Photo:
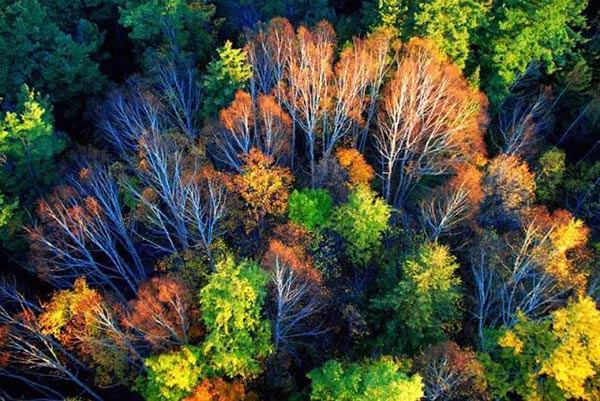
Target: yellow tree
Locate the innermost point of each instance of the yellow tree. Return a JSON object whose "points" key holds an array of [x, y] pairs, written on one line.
{"points": [[557, 359], [262, 187]]}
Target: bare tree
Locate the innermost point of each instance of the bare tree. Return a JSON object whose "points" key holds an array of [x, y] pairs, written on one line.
{"points": [[428, 120], [373, 52], [520, 123], [247, 123], [73, 237], [527, 271], [127, 113], [179, 201], [179, 94], [306, 84], [444, 211], [296, 304], [168, 100]]}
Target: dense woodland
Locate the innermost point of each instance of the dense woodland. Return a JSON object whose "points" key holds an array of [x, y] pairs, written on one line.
{"points": [[295, 200]]}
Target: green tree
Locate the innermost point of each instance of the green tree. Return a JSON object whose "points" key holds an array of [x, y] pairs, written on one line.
{"points": [[361, 222], [309, 207], [238, 337], [424, 304], [28, 150], [549, 175], [35, 50], [519, 32], [171, 376], [450, 25], [29, 146], [224, 76], [173, 27], [380, 380], [6, 210]]}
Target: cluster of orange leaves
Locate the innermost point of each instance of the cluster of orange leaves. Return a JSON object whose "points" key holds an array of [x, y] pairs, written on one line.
{"points": [[359, 171], [218, 389]]}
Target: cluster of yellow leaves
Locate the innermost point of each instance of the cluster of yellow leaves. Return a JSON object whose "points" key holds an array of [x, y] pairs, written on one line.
{"points": [[576, 329], [567, 351], [262, 186], [511, 180], [69, 311], [511, 340], [561, 236]]}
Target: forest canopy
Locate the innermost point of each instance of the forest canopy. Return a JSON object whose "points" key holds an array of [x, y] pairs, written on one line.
{"points": [[299, 200]]}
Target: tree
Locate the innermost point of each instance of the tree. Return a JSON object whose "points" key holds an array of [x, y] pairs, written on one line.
{"points": [[171, 376], [297, 301], [6, 210], [162, 313], [555, 359], [549, 175], [238, 338], [519, 32], [245, 124], [54, 61], [509, 189], [309, 207], [84, 323], [531, 271], [218, 390], [359, 171], [178, 27], [29, 145], [224, 77], [34, 359], [428, 123], [361, 223], [425, 302], [378, 380], [450, 25], [263, 187], [451, 373]]}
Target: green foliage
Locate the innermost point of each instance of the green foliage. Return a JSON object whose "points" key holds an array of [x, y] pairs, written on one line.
{"points": [[424, 304], [6, 210], [224, 76], [380, 380], [171, 376], [171, 26], [70, 14], [391, 11], [29, 146], [450, 25], [309, 207], [550, 175], [35, 50], [361, 222], [521, 31], [238, 337], [582, 189]]}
